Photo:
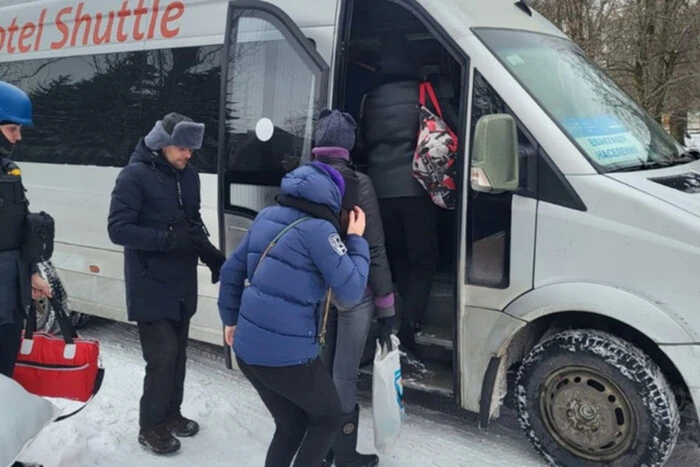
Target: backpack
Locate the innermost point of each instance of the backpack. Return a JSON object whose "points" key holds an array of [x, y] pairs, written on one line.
{"points": [[435, 158]]}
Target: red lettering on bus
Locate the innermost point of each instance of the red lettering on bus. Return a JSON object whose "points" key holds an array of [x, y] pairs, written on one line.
{"points": [[123, 14], [139, 11], [26, 33], [63, 28], [173, 12], [106, 37], [81, 20]]}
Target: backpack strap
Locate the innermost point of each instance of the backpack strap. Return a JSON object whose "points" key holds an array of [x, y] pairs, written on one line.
{"points": [[324, 321], [427, 87], [276, 239]]}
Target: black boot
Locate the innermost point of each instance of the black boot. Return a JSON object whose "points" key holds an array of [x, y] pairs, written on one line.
{"points": [[345, 446], [182, 427], [159, 440]]}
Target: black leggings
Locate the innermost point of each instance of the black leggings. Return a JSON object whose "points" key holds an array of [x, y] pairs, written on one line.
{"points": [[305, 406]]}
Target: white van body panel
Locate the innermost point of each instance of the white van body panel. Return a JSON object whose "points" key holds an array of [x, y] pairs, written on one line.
{"points": [[630, 233]]}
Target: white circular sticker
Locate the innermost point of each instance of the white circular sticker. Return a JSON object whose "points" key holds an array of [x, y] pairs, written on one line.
{"points": [[264, 129]]}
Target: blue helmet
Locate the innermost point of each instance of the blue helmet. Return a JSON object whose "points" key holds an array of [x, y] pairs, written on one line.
{"points": [[15, 105]]}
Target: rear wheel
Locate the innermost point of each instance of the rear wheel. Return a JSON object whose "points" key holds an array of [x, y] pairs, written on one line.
{"points": [[588, 398]]}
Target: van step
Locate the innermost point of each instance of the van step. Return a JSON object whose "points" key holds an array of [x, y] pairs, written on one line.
{"points": [[429, 376], [435, 335]]}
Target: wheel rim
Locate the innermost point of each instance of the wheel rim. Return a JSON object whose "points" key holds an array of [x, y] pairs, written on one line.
{"points": [[587, 413]]}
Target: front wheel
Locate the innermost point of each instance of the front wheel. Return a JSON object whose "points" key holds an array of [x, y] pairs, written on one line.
{"points": [[588, 398]]}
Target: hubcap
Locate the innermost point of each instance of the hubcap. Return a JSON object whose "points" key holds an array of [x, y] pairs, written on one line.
{"points": [[587, 413]]}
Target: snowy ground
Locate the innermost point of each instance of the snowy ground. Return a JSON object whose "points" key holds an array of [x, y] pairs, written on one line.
{"points": [[236, 428], [694, 141]]}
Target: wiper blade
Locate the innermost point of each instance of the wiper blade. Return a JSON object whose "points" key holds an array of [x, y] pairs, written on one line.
{"points": [[647, 165]]}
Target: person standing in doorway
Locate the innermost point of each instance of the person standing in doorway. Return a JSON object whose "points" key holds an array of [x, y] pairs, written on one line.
{"points": [[390, 126], [349, 326], [20, 281], [155, 215]]}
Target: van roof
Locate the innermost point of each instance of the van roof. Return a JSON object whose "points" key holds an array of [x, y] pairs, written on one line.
{"points": [[460, 16]]}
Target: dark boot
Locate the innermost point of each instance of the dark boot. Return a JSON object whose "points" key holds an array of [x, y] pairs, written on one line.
{"points": [[159, 440], [182, 427], [328, 461], [345, 446], [407, 335]]}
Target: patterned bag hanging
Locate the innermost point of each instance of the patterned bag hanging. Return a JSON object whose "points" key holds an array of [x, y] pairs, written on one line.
{"points": [[435, 159]]}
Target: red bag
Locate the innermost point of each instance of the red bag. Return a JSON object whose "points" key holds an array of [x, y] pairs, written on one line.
{"points": [[64, 367], [435, 158]]}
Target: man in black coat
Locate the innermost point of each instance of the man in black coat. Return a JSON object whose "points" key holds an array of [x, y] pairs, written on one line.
{"points": [[155, 215]]}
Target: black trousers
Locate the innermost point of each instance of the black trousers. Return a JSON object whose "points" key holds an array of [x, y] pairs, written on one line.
{"points": [[410, 227], [164, 347], [305, 406], [10, 339]]}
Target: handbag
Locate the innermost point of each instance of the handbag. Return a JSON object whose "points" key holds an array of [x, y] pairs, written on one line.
{"points": [[324, 320], [38, 238], [435, 158], [65, 367]]}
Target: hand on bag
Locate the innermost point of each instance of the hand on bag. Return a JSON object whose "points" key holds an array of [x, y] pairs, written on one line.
{"points": [[356, 226], [229, 332], [388, 328], [40, 288]]}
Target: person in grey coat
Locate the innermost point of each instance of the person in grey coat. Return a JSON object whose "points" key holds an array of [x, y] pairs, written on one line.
{"points": [[349, 328]]}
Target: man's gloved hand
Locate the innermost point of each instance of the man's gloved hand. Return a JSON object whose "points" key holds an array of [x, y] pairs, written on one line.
{"points": [[213, 258], [179, 241]]}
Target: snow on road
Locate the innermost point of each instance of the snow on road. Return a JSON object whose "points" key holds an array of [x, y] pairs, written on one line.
{"points": [[236, 427]]}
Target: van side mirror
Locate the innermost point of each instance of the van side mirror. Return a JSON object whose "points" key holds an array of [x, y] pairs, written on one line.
{"points": [[495, 160]]}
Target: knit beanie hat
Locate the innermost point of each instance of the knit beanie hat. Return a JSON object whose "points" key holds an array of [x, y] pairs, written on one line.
{"points": [[335, 129], [175, 130]]}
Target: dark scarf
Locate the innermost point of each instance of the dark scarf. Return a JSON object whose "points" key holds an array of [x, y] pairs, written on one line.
{"points": [[5, 146], [319, 211]]}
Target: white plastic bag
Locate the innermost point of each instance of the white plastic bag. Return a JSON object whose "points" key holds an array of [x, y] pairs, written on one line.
{"points": [[22, 417], [387, 396]]}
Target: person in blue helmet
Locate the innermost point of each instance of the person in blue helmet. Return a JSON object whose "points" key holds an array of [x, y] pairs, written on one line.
{"points": [[295, 257], [20, 281]]}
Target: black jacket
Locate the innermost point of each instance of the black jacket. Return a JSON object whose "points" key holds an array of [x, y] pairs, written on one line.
{"points": [[380, 281], [389, 128], [146, 203], [15, 273]]}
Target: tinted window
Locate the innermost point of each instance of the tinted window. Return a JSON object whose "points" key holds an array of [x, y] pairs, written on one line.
{"points": [[270, 77], [92, 110], [86, 109]]}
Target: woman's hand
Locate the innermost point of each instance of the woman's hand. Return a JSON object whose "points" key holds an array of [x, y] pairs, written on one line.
{"points": [[229, 332], [357, 223], [40, 288]]}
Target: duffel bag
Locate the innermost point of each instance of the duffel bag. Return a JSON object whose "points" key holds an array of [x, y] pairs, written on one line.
{"points": [[65, 367]]}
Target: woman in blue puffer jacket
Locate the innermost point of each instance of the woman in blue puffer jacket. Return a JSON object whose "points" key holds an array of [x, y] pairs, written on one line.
{"points": [[291, 256]]}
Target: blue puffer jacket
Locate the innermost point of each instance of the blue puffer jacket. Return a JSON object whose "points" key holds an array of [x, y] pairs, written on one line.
{"points": [[277, 317]]}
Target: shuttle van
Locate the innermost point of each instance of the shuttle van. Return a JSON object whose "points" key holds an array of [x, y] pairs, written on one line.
{"points": [[567, 279]]}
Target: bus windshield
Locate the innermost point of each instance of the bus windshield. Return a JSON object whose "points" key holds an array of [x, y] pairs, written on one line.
{"points": [[611, 129]]}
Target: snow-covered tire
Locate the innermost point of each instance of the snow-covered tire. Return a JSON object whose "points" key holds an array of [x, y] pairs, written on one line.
{"points": [[588, 398]]}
